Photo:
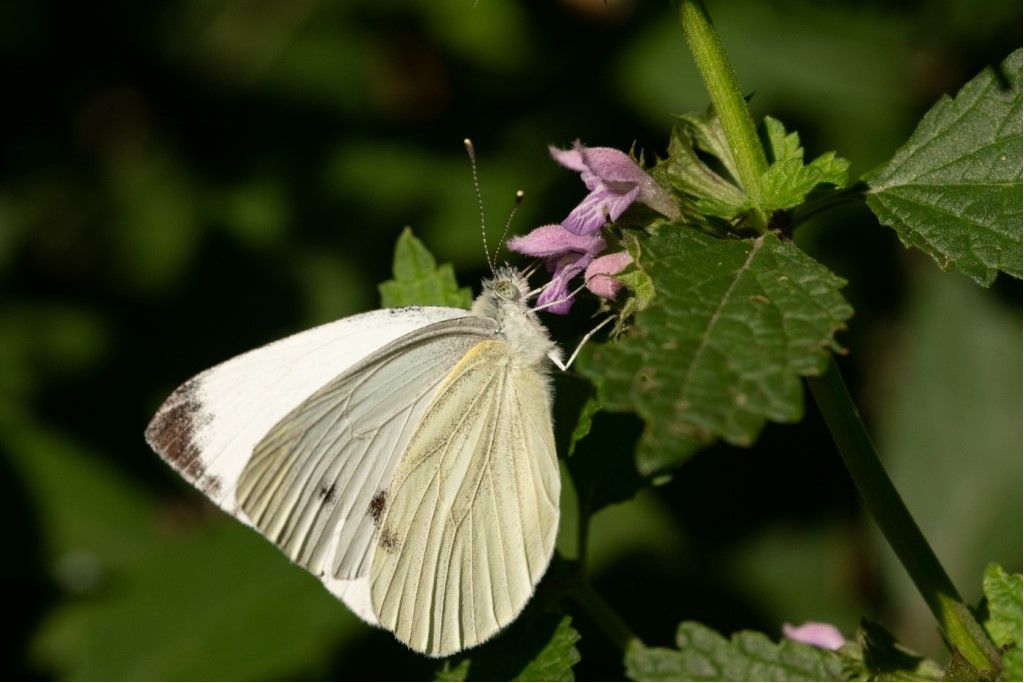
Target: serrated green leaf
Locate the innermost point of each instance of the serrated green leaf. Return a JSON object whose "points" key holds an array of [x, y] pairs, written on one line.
{"points": [[703, 655], [540, 647], [787, 181], [714, 193], [419, 281], [784, 185], [733, 326], [782, 146], [1003, 622], [555, 661], [708, 135], [954, 189]]}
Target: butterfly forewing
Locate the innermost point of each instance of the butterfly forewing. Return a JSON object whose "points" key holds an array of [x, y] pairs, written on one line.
{"points": [[208, 427], [312, 480], [472, 513]]}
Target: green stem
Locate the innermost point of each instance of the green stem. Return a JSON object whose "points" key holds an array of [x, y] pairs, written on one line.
{"points": [[726, 97], [602, 614], [893, 518], [849, 433]]}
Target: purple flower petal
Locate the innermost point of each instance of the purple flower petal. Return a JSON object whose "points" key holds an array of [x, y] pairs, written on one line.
{"points": [[612, 166], [600, 165], [815, 633], [565, 269], [599, 272], [572, 159], [553, 240], [596, 209], [615, 181]]}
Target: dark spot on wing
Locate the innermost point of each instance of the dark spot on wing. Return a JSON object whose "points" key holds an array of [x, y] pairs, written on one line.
{"points": [[172, 432], [194, 470], [376, 507], [395, 312], [211, 485], [388, 540], [328, 492]]}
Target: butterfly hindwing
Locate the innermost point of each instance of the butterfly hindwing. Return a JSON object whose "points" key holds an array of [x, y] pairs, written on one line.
{"points": [[470, 519]]}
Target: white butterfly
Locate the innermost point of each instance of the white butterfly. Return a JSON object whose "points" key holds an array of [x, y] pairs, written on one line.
{"points": [[404, 456]]}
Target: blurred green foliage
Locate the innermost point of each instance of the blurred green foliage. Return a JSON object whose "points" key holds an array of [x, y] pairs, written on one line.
{"points": [[182, 181]]}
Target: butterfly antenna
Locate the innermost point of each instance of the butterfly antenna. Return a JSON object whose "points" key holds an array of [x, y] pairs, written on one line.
{"points": [[508, 223], [479, 200]]}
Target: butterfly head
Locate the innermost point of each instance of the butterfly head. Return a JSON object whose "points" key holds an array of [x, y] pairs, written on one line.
{"points": [[507, 285]]}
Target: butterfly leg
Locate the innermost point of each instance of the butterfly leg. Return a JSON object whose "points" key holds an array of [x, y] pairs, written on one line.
{"points": [[556, 357]]}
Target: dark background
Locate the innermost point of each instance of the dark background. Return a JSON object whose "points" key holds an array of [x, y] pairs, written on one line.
{"points": [[182, 181]]}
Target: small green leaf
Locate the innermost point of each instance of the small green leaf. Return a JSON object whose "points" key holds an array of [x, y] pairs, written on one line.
{"points": [[954, 189], [786, 183], [555, 661], [788, 180], [639, 287], [782, 146], [733, 326], [539, 647], [575, 405], [1003, 622], [714, 191], [704, 655], [419, 281]]}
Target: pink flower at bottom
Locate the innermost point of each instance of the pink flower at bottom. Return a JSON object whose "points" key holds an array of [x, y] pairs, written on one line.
{"points": [[815, 633]]}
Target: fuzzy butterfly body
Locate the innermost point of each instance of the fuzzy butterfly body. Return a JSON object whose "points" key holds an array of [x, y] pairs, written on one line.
{"points": [[405, 457]]}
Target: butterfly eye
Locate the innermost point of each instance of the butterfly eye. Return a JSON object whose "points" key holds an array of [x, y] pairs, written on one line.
{"points": [[507, 290]]}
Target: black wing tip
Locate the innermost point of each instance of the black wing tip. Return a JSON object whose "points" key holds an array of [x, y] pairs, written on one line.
{"points": [[172, 432]]}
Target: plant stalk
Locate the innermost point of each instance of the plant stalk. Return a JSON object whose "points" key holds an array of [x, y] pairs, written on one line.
{"points": [[727, 99], [830, 393], [606, 619], [893, 518]]}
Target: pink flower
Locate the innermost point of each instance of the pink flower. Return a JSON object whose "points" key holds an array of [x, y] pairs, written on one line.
{"points": [[553, 240], [815, 633], [615, 181], [566, 255], [599, 272]]}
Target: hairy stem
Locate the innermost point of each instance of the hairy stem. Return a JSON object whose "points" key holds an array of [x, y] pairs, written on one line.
{"points": [[726, 97], [892, 517]]}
